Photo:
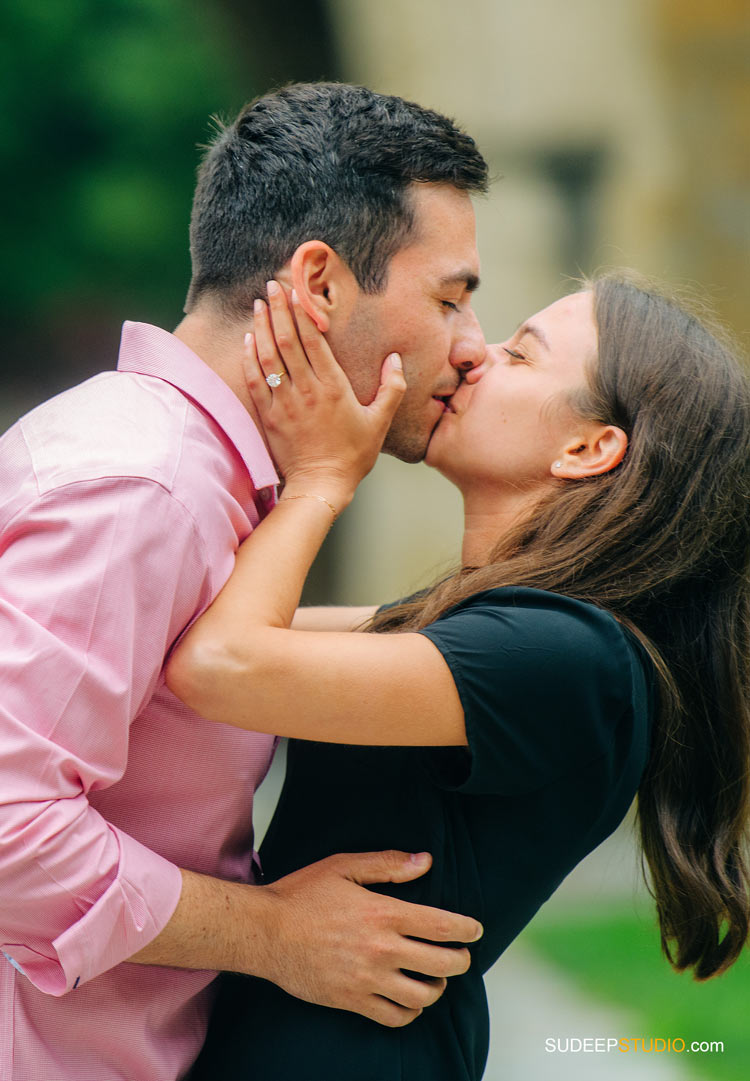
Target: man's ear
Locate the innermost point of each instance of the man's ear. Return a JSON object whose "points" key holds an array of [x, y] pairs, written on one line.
{"points": [[599, 449], [323, 281]]}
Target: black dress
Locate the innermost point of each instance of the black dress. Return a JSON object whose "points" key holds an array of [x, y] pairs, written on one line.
{"points": [[557, 700]]}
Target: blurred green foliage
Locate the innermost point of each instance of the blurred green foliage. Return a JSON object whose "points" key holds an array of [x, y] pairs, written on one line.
{"points": [[616, 956], [104, 102]]}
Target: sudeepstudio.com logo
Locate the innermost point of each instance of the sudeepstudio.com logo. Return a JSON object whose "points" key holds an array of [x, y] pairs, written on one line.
{"points": [[645, 1045]]}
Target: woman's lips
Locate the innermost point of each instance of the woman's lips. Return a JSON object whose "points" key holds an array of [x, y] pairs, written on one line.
{"points": [[446, 401]]}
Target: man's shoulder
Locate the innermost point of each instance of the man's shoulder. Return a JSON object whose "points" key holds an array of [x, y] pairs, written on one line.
{"points": [[116, 424]]}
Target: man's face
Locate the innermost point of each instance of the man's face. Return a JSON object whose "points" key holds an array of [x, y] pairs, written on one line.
{"points": [[424, 314]]}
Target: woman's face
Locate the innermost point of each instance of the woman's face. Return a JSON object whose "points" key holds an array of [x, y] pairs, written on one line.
{"points": [[510, 420]]}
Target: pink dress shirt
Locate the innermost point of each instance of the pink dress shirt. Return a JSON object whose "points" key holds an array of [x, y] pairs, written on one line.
{"points": [[122, 502]]}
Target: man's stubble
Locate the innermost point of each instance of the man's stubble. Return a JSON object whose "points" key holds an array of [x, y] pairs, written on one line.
{"points": [[360, 347]]}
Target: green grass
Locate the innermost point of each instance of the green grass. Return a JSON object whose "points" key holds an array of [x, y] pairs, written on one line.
{"points": [[616, 957]]}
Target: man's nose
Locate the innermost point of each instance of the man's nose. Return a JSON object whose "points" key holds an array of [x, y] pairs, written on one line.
{"points": [[473, 375], [469, 346]]}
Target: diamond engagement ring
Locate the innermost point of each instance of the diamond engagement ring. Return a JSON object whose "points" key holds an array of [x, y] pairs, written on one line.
{"points": [[274, 379]]}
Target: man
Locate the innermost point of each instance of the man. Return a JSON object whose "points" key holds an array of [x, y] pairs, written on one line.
{"points": [[125, 819]]}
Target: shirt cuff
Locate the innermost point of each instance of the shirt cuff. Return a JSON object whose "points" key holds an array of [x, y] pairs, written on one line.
{"points": [[131, 912]]}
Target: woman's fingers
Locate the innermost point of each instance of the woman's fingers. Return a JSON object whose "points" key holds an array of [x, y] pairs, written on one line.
{"points": [[318, 352], [287, 340], [289, 344], [265, 344], [309, 411], [390, 392], [255, 377]]}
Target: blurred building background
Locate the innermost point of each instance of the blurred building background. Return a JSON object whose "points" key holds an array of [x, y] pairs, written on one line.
{"points": [[618, 131], [620, 134]]}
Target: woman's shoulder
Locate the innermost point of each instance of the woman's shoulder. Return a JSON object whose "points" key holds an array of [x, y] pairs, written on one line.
{"points": [[543, 609], [542, 631], [548, 683]]}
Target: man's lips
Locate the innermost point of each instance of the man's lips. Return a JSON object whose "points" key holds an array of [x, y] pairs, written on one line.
{"points": [[451, 402], [446, 400]]}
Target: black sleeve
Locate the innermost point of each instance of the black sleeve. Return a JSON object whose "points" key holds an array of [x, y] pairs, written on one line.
{"points": [[544, 681]]}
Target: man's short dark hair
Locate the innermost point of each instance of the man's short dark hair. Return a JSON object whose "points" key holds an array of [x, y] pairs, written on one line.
{"points": [[322, 161]]}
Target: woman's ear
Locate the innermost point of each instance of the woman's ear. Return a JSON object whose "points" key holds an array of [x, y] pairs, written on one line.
{"points": [[322, 280], [599, 449]]}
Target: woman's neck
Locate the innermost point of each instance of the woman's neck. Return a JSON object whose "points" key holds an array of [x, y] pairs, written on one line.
{"points": [[490, 517]]}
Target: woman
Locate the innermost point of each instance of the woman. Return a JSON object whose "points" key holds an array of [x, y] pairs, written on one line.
{"points": [[593, 643]]}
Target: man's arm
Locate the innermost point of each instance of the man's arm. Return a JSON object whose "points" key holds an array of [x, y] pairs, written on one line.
{"points": [[86, 615], [85, 618], [321, 936]]}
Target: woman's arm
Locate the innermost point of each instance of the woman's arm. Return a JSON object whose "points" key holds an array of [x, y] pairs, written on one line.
{"points": [[241, 663], [333, 618]]}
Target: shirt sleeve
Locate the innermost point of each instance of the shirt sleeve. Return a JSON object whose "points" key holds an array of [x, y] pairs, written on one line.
{"points": [[544, 682], [97, 579]]}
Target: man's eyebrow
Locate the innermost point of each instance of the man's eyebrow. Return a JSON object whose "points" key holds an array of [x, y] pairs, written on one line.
{"points": [[536, 332], [467, 278]]}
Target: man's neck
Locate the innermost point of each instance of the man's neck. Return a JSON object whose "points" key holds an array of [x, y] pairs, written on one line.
{"points": [[220, 346]]}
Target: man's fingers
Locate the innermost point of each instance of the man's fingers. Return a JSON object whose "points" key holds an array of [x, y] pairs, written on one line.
{"points": [[406, 999], [417, 921], [388, 1013], [439, 962], [343, 945], [390, 865], [416, 994], [437, 925]]}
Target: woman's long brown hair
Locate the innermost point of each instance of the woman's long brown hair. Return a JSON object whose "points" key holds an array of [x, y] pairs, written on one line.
{"points": [[663, 543]]}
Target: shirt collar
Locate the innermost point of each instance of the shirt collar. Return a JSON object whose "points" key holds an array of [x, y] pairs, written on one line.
{"points": [[148, 350]]}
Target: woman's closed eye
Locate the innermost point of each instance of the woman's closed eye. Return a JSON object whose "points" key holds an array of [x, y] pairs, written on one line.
{"points": [[514, 354]]}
